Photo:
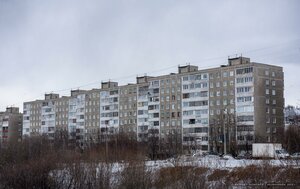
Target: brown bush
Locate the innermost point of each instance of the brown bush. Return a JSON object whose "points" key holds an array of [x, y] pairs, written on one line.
{"points": [[186, 177], [136, 175], [253, 174]]}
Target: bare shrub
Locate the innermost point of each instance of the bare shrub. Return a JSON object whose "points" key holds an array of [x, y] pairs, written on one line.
{"points": [[254, 174], [29, 174], [185, 177], [77, 174], [289, 175], [218, 178], [136, 175]]}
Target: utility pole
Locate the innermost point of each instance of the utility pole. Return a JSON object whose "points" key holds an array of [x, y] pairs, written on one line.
{"points": [[224, 130], [106, 144]]}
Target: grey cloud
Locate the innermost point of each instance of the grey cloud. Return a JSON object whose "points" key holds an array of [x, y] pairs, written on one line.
{"points": [[52, 45]]}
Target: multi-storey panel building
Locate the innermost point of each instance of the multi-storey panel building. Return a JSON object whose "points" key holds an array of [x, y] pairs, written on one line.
{"points": [[170, 108], [48, 115], [211, 109], [128, 109], [195, 108], [92, 115], [109, 107], [32, 118], [10, 125], [142, 108]]}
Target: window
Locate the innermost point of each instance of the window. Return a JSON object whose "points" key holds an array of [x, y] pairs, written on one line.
{"points": [[225, 84], [267, 82], [211, 94], [211, 85], [273, 74], [267, 72], [244, 80], [231, 73], [273, 83], [243, 89], [225, 74], [167, 98], [173, 114], [244, 70], [218, 93], [273, 101], [273, 111], [241, 109], [267, 110], [267, 91], [173, 97], [273, 92], [218, 84], [267, 101], [245, 118], [274, 119]]}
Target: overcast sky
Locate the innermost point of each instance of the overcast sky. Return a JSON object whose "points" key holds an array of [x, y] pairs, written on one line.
{"points": [[57, 45]]}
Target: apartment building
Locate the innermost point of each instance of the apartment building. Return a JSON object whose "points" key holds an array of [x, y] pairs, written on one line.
{"points": [[77, 115], [109, 108], [209, 109], [10, 125], [128, 110]]}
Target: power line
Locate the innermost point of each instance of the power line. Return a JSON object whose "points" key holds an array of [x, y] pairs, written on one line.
{"points": [[205, 60]]}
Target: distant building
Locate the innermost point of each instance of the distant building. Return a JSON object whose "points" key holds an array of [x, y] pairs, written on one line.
{"points": [[291, 116], [10, 125], [242, 99]]}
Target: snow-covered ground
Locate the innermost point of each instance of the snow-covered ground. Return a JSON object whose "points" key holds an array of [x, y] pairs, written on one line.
{"points": [[217, 163]]}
